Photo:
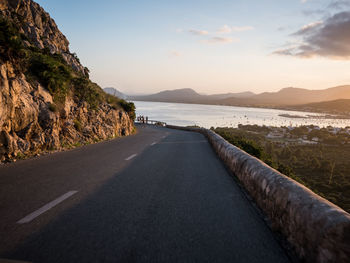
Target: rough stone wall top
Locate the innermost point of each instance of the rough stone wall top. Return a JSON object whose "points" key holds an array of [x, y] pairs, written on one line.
{"points": [[39, 28]]}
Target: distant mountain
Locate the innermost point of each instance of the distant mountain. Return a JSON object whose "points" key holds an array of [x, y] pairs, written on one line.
{"points": [[189, 96], [292, 96], [115, 92], [333, 107], [179, 95], [295, 98], [245, 94]]}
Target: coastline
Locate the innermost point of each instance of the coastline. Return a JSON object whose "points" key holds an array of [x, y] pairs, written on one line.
{"points": [[327, 114]]}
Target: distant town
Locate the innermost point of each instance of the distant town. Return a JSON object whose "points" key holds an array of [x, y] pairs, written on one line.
{"points": [[309, 134]]}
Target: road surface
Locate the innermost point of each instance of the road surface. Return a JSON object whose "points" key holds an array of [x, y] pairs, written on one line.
{"points": [[161, 195]]}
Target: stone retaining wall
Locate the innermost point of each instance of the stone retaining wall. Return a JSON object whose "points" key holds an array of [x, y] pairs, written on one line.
{"points": [[318, 230]]}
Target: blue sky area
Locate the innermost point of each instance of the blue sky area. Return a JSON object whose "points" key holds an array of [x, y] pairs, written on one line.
{"points": [[210, 46]]}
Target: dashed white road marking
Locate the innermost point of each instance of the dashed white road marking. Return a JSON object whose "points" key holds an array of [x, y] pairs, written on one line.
{"points": [[153, 143], [130, 157], [46, 207]]}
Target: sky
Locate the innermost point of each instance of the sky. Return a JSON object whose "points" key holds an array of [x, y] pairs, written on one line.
{"points": [[211, 46]]}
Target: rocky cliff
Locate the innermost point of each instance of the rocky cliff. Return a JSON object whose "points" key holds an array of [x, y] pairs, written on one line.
{"points": [[47, 101], [40, 30]]}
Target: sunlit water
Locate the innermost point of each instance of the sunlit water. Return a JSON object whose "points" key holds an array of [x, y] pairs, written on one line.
{"points": [[228, 116]]}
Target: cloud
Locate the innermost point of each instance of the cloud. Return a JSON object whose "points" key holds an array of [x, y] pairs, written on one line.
{"points": [[241, 28], [328, 39], [198, 32], [308, 28], [224, 29], [314, 12], [220, 40], [339, 4], [175, 53], [333, 6]]}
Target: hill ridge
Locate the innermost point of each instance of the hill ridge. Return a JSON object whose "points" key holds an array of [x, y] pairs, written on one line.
{"points": [[284, 97]]}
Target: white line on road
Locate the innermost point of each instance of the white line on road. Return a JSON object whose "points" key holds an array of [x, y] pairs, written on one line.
{"points": [[130, 157], [46, 207], [153, 143]]}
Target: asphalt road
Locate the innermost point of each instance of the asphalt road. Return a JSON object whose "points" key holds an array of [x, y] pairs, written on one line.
{"points": [[158, 196]]}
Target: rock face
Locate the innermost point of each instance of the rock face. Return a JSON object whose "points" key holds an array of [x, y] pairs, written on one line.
{"points": [[30, 121], [28, 125], [39, 28]]}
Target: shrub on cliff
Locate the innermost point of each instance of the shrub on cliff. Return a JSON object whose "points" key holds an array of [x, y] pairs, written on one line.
{"points": [[10, 40], [87, 91], [77, 125], [129, 107], [52, 107], [53, 72], [116, 102]]}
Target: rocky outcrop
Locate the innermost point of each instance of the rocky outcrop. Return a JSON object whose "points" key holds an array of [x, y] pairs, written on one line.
{"points": [[318, 229], [29, 122], [39, 28], [32, 119]]}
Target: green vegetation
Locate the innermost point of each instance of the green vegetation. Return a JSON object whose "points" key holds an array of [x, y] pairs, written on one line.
{"points": [[77, 125], [52, 107], [85, 90], [20, 156], [323, 167], [129, 107], [10, 40], [75, 56], [53, 72], [253, 146]]}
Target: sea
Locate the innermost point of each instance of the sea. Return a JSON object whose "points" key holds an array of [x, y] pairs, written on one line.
{"points": [[207, 116]]}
